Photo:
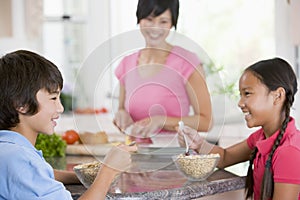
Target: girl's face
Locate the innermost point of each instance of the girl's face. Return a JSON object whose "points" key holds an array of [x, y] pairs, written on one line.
{"points": [[256, 102], [49, 110], [156, 29]]}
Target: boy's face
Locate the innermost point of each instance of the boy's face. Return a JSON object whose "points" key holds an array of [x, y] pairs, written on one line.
{"points": [[49, 110]]}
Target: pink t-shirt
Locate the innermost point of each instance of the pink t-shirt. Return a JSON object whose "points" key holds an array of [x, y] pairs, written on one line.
{"points": [[286, 159], [161, 94]]}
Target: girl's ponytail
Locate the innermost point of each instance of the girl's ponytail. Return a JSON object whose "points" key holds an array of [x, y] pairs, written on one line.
{"points": [[249, 178], [267, 186]]}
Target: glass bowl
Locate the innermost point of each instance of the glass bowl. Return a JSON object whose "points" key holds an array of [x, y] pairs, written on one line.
{"points": [[87, 172], [196, 167]]}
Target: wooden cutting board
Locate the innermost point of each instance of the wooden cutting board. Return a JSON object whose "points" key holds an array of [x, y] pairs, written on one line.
{"points": [[89, 149]]}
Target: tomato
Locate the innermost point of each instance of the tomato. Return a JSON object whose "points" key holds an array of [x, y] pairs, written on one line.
{"points": [[103, 110], [70, 136]]}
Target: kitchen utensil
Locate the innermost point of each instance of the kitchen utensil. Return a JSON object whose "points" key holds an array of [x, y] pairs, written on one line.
{"points": [[181, 127]]}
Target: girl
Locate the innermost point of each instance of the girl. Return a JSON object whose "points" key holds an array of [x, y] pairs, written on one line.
{"points": [[160, 82], [267, 90]]}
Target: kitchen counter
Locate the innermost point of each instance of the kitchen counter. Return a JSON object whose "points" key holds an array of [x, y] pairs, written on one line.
{"points": [[154, 176]]}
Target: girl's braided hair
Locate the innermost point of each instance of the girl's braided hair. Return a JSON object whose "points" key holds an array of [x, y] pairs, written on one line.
{"points": [[273, 73]]}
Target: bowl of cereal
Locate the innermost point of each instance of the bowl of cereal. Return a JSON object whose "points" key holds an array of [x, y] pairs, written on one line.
{"points": [[87, 172], [196, 167]]}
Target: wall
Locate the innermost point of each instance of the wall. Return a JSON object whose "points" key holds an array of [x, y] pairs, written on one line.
{"points": [[18, 39], [5, 19]]}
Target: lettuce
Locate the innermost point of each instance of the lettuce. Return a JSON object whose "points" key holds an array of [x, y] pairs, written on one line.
{"points": [[51, 145]]}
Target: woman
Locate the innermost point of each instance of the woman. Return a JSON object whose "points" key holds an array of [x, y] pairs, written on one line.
{"points": [[160, 82]]}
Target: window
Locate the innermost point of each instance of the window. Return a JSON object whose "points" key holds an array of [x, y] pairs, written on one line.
{"points": [[64, 34]]}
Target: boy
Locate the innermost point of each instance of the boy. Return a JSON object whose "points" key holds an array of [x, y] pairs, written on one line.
{"points": [[30, 88]]}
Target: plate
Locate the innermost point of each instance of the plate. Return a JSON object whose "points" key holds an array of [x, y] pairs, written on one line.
{"points": [[89, 149], [161, 150]]}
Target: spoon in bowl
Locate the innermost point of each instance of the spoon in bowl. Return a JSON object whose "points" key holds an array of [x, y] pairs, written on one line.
{"points": [[181, 127]]}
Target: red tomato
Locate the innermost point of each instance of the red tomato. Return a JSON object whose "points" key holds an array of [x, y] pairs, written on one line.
{"points": [[70, 136], [103, 110]]}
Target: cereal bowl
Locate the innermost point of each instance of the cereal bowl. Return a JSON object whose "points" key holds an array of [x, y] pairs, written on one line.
{"points": [[87, 172], [196, 167]]}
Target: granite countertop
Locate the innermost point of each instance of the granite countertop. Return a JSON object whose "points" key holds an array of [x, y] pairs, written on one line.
{"points": [[154, 176], [168, 185]]}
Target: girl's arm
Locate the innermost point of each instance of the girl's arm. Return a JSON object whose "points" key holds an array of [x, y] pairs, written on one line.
{"points": [[286, 191], [234, 154]]}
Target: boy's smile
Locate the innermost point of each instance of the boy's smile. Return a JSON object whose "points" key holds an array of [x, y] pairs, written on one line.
{"points": [[44, 120]]}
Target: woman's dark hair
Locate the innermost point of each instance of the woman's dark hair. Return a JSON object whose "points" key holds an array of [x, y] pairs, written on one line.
{"points": [[22, 75], [273, 73], [156, 8]]}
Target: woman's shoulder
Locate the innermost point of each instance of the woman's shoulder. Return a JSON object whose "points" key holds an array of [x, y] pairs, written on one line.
{"points": [[127, 63], [131, 57], [185, 54]]}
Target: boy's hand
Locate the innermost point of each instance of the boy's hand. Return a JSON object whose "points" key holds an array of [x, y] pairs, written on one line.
{"points": [[119, 158]]}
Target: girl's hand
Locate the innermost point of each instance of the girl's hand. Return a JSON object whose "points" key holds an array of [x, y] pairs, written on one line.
{"points": [[123, 119], [148, 127], [194, 139]]}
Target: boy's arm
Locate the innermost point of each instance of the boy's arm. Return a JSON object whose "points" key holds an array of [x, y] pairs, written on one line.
{"points": [[66, 177]]}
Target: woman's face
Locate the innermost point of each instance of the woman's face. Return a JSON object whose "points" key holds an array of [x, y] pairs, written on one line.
{"points": [[156, 29]]}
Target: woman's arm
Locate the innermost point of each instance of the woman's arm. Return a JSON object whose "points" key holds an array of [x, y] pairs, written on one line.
{"points": [[122, 118], [199, 98]]}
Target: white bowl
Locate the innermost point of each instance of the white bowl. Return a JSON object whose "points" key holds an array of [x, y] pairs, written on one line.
{"points": [[196, 167], [87, 172]]}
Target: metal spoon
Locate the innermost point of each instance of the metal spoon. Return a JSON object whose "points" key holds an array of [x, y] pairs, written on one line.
{"points": [[181, 127]]}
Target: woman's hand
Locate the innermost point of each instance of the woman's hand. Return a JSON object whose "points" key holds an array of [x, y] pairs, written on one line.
{"points": [[148, 127], [123, 119], [194, 139]]}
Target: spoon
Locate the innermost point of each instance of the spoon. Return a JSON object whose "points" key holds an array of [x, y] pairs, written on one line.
{"points": [[181, 127], [119, 128]]}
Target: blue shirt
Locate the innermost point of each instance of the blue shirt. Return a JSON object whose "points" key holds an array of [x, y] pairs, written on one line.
{"points": [[24, 173]]}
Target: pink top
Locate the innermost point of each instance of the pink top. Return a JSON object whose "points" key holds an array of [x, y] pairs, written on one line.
{"points": [[286, 159], [161, 94]]}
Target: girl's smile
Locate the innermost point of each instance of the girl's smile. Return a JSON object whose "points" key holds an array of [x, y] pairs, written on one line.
{"points": [[256, 102]]}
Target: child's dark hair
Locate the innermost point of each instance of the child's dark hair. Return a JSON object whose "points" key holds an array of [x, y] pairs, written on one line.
{"points": [[156, 8], [22, 75], [273, 73]]}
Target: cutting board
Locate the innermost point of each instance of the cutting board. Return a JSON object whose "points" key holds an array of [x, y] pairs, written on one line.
{"points": [[88, 149]]}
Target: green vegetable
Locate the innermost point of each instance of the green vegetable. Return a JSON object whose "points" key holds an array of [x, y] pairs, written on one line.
{"points": [[51, 145]]}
